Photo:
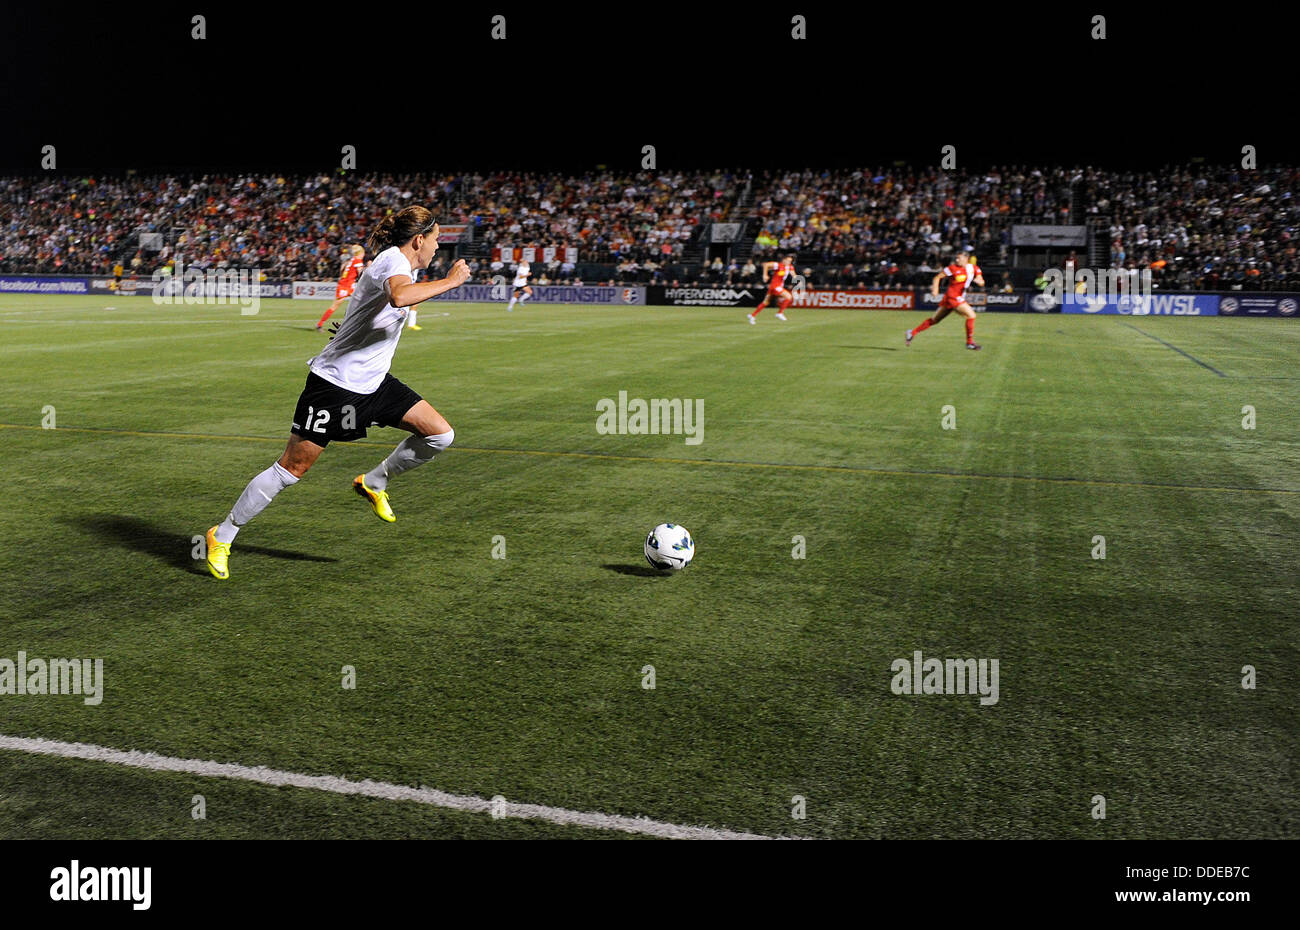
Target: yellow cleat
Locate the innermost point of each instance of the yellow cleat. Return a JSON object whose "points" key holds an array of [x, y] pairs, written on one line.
{"points": [[218, 554], [413, 326], [378, 499]]}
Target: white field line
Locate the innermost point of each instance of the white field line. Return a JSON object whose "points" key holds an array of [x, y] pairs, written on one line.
{"points": [[371, 789]]}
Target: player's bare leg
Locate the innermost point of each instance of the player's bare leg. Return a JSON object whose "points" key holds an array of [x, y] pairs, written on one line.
{"points": [[430, 434], [926, 324], [299, 455], [783, 299], [423, 420]]}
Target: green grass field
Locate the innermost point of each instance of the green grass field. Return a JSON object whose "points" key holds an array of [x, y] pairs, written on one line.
{"points": [[522, 677]]}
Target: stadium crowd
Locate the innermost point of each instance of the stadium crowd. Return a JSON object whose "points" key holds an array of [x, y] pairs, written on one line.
{"points": [[1194, 228], [1207, 228], [610, 218]]}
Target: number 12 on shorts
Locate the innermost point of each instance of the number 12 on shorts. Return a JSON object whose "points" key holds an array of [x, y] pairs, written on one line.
{"points": [[322, 418]]}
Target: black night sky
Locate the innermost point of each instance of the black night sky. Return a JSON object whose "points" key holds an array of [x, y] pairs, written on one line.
{"points": [[284, 89]]}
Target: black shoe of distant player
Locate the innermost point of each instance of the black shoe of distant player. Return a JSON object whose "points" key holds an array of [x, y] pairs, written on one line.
{"points": [[973, 345]]}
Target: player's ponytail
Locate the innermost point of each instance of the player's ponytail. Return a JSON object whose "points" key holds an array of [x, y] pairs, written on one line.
{"points": [[399, 228], [378, 240]]}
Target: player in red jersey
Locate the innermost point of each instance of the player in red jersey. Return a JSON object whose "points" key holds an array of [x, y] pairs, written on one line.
{"points": [[353, 258], [776, 289], [960, 274]]}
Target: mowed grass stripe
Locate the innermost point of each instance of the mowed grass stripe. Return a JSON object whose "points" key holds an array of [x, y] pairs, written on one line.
{"points": [[1181, 352], [721, 463]]}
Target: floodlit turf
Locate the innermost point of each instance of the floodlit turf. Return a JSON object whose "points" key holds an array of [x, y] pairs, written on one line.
{"points": [[522, 676]]}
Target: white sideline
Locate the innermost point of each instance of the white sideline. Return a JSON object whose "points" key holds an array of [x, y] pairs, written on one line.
{"points": [[368, 788]]}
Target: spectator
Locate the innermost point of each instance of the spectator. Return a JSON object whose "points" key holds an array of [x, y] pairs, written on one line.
{"points": [[1199, 227]]}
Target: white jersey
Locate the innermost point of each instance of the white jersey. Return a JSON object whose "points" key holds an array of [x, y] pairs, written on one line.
{"points": [[521, 274], [360, 354]]}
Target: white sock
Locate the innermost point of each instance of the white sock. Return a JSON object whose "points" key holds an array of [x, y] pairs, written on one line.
{"points": [[254, 500], [524, 297], [410, 317], [513, 300], [410, 452]]}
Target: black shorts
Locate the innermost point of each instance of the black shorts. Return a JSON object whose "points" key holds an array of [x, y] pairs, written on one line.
{"points": [[520, 289], [326, 411]]}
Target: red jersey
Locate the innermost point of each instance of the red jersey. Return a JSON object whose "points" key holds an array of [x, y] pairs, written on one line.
{"points": [[353, 269], [777, 281], [960, 278]]}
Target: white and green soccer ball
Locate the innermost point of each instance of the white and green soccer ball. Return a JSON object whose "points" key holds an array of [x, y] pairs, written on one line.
{"points": [[669, 547]]}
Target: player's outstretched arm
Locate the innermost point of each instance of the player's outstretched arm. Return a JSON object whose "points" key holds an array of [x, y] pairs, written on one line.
{"points": [[934, 285], [403, 292]]}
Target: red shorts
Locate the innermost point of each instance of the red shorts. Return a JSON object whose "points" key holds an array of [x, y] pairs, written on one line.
{"points": [[344, 290], [951, 303]]}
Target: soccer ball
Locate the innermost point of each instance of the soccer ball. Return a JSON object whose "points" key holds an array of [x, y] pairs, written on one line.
{"points": [[669, 547]]}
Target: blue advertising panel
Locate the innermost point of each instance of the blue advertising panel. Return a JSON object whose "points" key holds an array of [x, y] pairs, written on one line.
{"points": [[1258, 305], [1153, 305], [549, 294], [21, 284]]}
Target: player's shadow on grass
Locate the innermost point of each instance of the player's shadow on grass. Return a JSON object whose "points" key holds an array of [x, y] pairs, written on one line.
{"points": [[176, 549], [641, 571]]}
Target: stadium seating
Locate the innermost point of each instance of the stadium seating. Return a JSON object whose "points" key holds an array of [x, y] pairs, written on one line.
{"points": [[1196, 228]]}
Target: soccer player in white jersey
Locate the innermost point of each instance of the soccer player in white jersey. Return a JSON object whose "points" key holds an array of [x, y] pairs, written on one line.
{"points": [[522, 271], [349, 387]]}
